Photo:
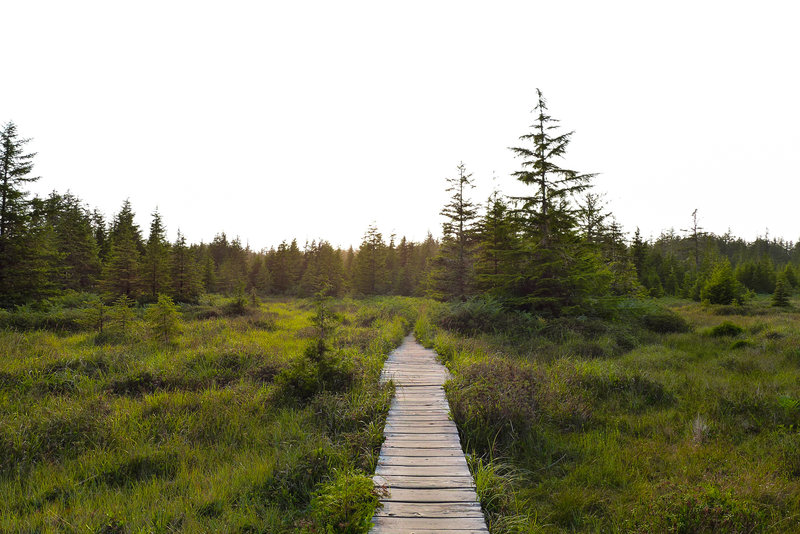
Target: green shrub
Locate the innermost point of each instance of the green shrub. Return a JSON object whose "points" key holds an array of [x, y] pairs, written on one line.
{"points": [[722, 287], [494, 402], [741, 344], [318, 370], [292, 484], [726, 328], [485, 314], [704, 511], [346, 504], [164, 319], [665, 322]]}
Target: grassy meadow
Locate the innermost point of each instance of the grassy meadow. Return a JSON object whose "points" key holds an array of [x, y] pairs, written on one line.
{"points": [[233, 426], [671, 417]]}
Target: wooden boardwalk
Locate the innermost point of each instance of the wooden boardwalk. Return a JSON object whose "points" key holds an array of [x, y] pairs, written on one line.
{"points": [[421, 466]]}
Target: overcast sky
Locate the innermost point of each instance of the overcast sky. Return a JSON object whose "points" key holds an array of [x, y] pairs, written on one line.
{"points": [[273, 120]]}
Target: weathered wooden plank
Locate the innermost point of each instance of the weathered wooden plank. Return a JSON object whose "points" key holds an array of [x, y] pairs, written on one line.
{"points": [[432, 495], [432, 523], [423, 470], [421, 460], [433, 509], [416, 451], [429, 482], [386, 530]]}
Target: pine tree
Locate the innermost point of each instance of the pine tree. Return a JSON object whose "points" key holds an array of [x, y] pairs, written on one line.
{"points": [[184, 272], [498, 248], [547, 211], [782, 292], [370, 275], [323, 271], [259, 279], [452, 274], [639, 250], [163, 319], [558, 271], [122, 271], [75, 241], [156, 260], [121, 315], [15, 252]]}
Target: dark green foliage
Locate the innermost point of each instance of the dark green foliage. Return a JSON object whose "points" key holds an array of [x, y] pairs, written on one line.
{"points": [[741, 344], [498, 248], [782, 292], [156, 261], [163, 319], [345, 504], [665, 322], [184, 272], [722, 287], [292, 485], [323, 270], [495, 402], [452, 275], [726, 328], [704, 511], [485, 314], [122, 270], [369, 272]]}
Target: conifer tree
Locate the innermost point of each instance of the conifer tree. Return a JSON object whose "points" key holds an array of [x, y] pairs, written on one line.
{"points": [[184, 272], [323, 272], [547, 211], [498, 248], [782, 292], [259, 279], [121, 315], [369, 277], [75, 241], [15, 169], [558, 271], [163, 319], [156, 260], [452, 276], [122, 271]]}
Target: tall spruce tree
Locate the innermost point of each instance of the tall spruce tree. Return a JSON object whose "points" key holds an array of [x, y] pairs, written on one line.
{"points": [[75, 240], [184, 272], [452, 274], [557, 271], [369, 276], [122, 270], [156, 260], [15, 251], [548, 210], [499, 248]]}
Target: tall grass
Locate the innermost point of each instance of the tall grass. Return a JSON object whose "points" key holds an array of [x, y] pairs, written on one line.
{"points": [[663, 419], [133, 435]]}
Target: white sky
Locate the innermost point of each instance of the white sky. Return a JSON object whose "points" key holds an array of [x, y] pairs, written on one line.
{"points": [[273, 120]]}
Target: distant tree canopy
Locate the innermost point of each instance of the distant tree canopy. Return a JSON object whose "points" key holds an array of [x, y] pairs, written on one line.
{"points": [[555, 250]]}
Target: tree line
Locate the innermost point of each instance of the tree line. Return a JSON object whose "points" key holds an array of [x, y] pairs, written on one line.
{"points": [[554, 251]]}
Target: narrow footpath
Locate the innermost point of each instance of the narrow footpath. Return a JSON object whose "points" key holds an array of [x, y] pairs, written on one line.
{"points": [[421, 466]]}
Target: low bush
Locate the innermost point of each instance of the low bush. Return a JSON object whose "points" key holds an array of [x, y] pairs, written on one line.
{"points": [[665, 322], [346, 504], [485, 314], [726, 329], [706, 510]]}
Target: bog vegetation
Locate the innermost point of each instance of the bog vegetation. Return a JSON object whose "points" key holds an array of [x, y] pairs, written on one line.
{"points": [[600, 383]]}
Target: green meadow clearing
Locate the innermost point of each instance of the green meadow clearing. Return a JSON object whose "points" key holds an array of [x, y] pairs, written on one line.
{"points": [[682, 422], [228, 428], [666, 416]]}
